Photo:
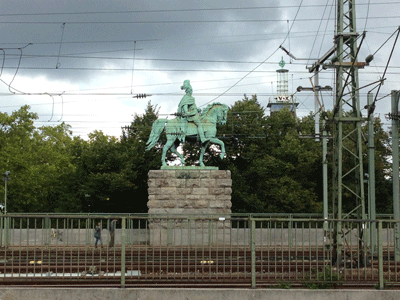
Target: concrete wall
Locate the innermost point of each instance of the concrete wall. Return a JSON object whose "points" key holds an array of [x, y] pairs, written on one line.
{"points": [[192, 294], [214, 235], [175, 236]]}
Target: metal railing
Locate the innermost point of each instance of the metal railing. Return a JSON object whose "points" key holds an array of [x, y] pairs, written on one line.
{"points": [[193, 250]]}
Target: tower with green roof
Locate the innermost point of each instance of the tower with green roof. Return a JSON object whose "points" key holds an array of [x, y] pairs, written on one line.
{"points": [[282, 99]]}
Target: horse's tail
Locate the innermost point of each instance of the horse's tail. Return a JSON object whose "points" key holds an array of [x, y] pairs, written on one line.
{"points": [[156, 130]]}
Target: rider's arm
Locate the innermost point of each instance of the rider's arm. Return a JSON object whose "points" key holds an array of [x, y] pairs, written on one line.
{"points": [[185, 108], [186, 111]]}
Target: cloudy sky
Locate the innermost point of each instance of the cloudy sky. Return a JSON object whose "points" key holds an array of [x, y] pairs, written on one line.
{"points": [[82, 62]]}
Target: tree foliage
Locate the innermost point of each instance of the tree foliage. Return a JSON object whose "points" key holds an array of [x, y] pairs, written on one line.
{"points": [[39, 160], [270, 164]]}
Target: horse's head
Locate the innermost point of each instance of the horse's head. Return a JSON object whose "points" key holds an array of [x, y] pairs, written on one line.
{"points": [[222, 114], [216, 113]]}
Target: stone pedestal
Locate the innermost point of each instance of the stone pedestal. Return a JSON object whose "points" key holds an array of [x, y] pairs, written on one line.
{"points": [[189, 205]]}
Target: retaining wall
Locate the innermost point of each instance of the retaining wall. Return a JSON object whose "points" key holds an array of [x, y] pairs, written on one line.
{"points": [[192, 294]]}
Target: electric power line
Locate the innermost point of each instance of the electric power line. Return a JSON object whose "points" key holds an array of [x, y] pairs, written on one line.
{"points": [[187, 10], [190, 21]]}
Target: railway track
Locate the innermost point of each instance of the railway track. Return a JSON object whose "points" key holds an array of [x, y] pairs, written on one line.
{"points": [[212, 267]]}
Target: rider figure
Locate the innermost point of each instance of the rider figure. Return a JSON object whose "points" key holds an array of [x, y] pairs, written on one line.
{"points": [[187, 109]]}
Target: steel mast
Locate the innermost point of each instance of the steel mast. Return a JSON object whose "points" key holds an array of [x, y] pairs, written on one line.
{"points": [[347, 120]]}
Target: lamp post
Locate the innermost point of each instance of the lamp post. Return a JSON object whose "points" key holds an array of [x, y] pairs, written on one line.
{"points": [[5, 178], [368, 226]]}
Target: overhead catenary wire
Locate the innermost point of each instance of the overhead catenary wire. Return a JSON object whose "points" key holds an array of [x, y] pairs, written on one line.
{"points": [[161, 59], [133, 65], [397, 30], [252, 71], [62, 108], [288, 36], [188, 9], [366, 18], [165, 22], [148, 59], [52, 110], [309, 34], [17, 69], [269, 36], [326, 29], [124, 69], [266, 37], [3, 61], [319, 27], [383, 97], [59, 49], [94, 91]]}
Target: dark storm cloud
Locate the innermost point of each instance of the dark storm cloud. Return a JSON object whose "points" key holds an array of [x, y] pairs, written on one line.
{"points": [[171, 30]]}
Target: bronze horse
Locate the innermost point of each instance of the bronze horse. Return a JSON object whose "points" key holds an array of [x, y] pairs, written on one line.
{"points": [[213, 114]]}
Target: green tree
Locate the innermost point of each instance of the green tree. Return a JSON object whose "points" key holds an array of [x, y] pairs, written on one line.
{"points": [[273, 170], [137, 161], [101, 179], [37, 158]]}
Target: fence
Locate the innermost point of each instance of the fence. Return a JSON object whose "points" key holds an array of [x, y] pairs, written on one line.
{"points": [[231, 250]]}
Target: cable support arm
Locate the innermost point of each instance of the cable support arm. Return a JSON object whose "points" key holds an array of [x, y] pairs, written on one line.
{"points": [[336, 109], [372, 107]]}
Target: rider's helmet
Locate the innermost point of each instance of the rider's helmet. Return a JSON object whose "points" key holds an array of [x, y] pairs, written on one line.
{"points": [[186, 84], [187, 87]]}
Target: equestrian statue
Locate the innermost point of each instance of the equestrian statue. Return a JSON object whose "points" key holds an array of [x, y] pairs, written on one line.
{"points": [[190, 123]]}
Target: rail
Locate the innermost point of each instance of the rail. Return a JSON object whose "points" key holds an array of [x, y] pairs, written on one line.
{"points": [[195, 250]]}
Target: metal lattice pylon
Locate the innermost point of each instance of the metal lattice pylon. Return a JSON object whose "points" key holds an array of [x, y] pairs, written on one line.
{"points": [[348, 186]]}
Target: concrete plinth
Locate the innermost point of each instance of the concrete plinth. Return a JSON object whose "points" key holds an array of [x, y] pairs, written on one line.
{"points": [[178, 195]]}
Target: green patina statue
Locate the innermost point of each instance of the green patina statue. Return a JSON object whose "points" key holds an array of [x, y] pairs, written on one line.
{"points": [[190, 123], [188, 112]]}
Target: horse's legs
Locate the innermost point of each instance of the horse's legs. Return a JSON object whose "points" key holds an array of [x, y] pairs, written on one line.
{"points": [[167, 145], [222, 145], [203, 150], [173, 149]]}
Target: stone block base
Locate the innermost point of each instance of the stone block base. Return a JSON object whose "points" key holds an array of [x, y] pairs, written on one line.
{"points": [[185, 201]]}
